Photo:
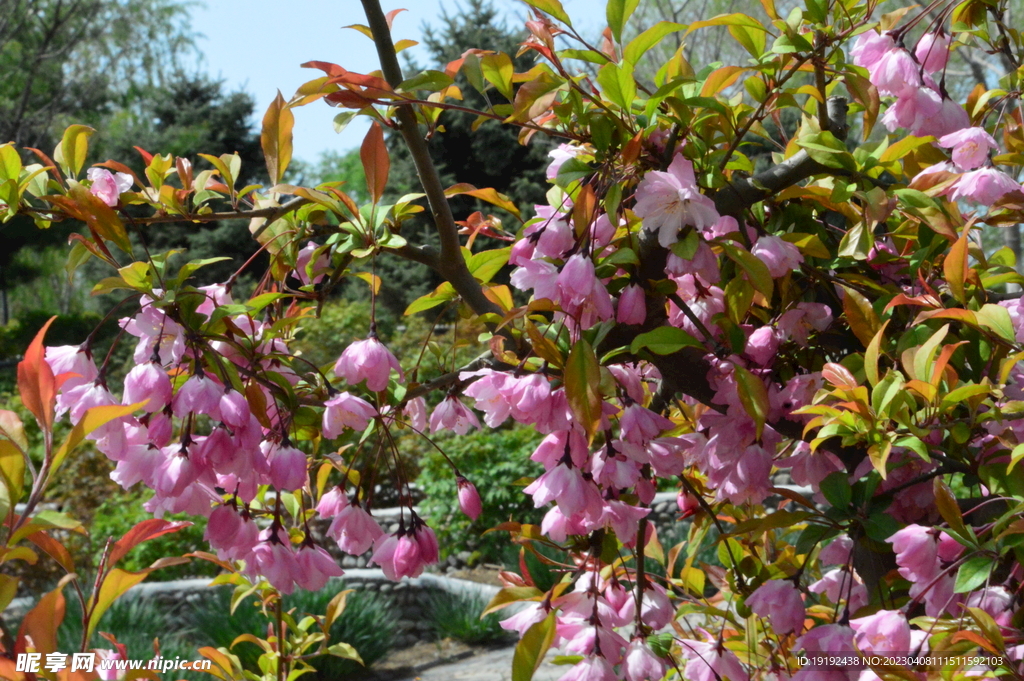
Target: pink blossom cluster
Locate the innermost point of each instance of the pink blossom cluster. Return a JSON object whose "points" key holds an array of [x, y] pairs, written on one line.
{"points": [[925, 109]]}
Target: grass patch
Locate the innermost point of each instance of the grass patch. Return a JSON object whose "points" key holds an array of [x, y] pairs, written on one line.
{"points": [[457, 616]]}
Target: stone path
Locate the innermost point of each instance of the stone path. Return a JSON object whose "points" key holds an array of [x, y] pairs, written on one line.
{"points": [[495, 665]]}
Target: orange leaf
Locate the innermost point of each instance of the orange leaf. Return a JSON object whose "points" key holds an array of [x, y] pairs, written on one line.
{"points": [[54, 549], [839, 376], [144, 531], [36, 381], [41, 623], [955, 267], [376, 164]]}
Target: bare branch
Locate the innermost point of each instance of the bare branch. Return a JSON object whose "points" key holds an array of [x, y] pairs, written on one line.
{"points": [[451, 265]]}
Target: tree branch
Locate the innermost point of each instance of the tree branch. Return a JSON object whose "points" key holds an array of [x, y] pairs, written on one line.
{"points": [[451, 265]]}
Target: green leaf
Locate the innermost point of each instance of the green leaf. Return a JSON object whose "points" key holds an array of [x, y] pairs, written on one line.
{"points": [[617, 84], [906, 145], [439, 296], [346, 651], [531, 649], [756, 271], [639, 45], [582, 377], [973, 573], [485, 264], [997, 318], [664, 340], [552, 7], [73, 149], [836, 489], [498, 71], [571, 171], [428, 80], [116, 583], [276, 138], [753, 396], [860, 316], [618, 12]]}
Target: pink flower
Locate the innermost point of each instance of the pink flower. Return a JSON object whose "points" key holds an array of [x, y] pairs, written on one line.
{"points": [[232, 535], [841, 584], [198, 395], [367, 360], [319, 269], [314, 566], [668, 201], [332, 502], [870, 47], [687, 503], [567, 487], [932, 51], [632, 306], [913, 111], [345, 410], [416, 413], [406, 553], [781, 602], [804, 318], [71, 359], [525, 618], [837, 552], [984, 186], [355, 530], [287, 467], [274, 559], [640, 425], [453, 415], [642, 664], [559, 155], [830, 638], [147, 382], [916, 549], [885, 631], [896, 73], [581, 293], [592, 668], [950, 118], [762, 345], [108, 186], [970, 147], [703, 264], [781, 257], [234, 409], [538, 275], [996, 601], [469, 498], [656, 611], [709, 662]]}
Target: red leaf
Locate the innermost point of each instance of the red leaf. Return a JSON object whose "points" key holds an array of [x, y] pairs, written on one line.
{"points": [[146, 156], [839, 376], [36, 382], [376, 164], [348, 99], [41, 623], [325, 66], [144, 531], [48, 162], [391, 16], [54, 549]]}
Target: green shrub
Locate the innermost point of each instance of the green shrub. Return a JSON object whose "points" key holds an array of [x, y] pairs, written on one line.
{"points": [[457, 616], [135, 622], [368, 623], [493, 460]]}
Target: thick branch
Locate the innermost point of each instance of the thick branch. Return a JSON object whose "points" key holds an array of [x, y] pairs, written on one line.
{"points": [[451, 264]]}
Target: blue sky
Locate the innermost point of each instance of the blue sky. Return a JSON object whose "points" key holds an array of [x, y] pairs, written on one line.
{"points": [[258, 45]]}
